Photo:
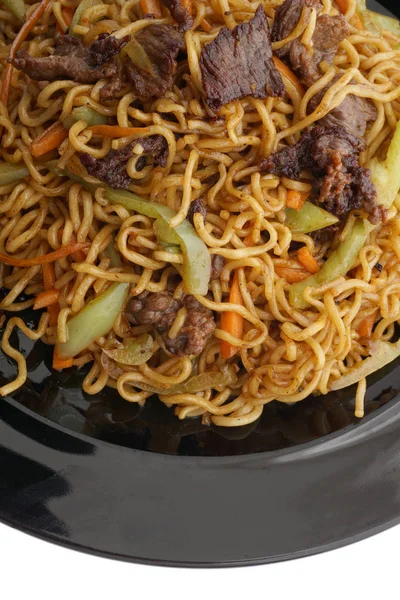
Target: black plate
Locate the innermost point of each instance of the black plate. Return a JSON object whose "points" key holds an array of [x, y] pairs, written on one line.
{"points": [[99, 475]]}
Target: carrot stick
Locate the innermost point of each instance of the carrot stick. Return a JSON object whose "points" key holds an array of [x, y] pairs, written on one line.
{"points": [[17, 43], [151, 7], [46, 258], [49, 279], [49, 140], [231, 321], [67, 14], [343, 6], [291, 274], [307, 260], [286, 72], [46, 299], [60, 363], [188, 5], [366, 325], [206, 25], [114, 131], [295, 199]]}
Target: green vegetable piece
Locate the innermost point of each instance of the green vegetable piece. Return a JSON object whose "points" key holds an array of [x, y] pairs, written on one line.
{"points": [[382, 353], [386, 175], [133, 351], [10, 172], [309, 218], [375, 22], [113, 255], [197, 383], [196, 258], [17, 7], [80, 9], [339, 263], [94, 320], [87, 114]]}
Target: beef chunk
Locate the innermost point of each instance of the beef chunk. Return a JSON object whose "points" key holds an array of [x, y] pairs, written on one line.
{"points": [[217, 266], [162, 44], [112, 88], [112, 168], [160, 309], [197, 206], [329, 32], [179, 13], [239, 63], [354, 112], [73, 60], [332, 155]]}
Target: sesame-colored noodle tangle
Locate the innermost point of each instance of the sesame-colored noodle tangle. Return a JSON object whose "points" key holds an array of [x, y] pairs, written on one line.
{"points": [[282, 350]]}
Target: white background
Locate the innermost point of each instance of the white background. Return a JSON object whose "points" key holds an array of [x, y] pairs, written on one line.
{"points": [[34, 570]]}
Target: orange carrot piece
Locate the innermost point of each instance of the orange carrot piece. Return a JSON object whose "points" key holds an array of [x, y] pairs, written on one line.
{"points": [[206, 25], [290, 274], [114, 131], [231, 321], [46, 258], [366, 325], [61, 363], [49, 279], [286, 72], [296, 199], [343, 6], [307, 260], [151, 7], [50, 139], [17, 43], [46, 299], [188, 5], [68, 13]]}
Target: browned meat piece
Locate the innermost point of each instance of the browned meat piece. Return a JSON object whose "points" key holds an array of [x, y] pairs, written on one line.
{"points": [[73, 60], [332, 155], [112, 88], [239, 63], [112, 168], [179, 13], [329, 32], [162, 44], [197, 206], [160, 309], [217, 266], [354, 113]]}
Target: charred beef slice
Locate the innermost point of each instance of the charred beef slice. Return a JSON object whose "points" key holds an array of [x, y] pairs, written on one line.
{"points": [[162, 43], [353, 113], [112, 168], [332, 155], [239, 63], [160, 310], [329, 32], [180, 13], [73, 60], [196, 206]]}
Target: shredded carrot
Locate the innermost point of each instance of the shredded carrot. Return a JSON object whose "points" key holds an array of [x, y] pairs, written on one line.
{"points": [[61, 363], [206, 25], [295, 199], [114, 131], [188, 5], [286, 72], [50, 139], [366, 325], [49, 279], [290, 274], [67, 15], [17, 43], [231, 321], [343, 6], [46, 258], [46, 298], [307, 260], [151, 7]]}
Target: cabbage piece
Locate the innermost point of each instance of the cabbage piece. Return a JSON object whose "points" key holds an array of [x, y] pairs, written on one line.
{"points": [[383, 353]]}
